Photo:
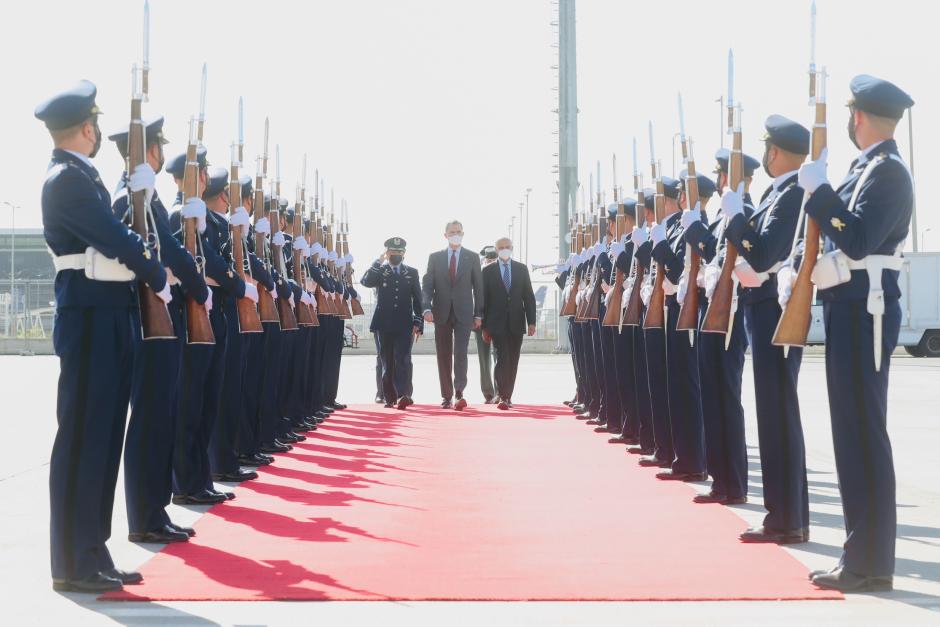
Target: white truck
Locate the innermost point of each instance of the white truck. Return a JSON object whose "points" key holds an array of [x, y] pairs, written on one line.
{"points": [[920, 307]]}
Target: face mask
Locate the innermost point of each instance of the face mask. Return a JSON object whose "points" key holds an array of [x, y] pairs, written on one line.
{"points": [[505, 253], [851, 130], [455, 239], [765, 162], [395, 260], [94, 151], [718, 184]]}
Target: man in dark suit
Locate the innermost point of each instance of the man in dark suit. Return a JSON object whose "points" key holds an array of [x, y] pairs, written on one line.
{"points": [[508, 307], [453, 301], [397, 319]]}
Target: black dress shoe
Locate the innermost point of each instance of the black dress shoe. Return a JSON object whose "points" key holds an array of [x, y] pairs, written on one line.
{"points": [[287, 444], [300, 427], [164, 535], [300, 438], [326, 409], [228, 496], [250, 460], [235, 476], [631, 440], [653, 461], [764, 535], [95, 584], [267, 459], [502, 405], [586, 416], [669, 475], [126, 577], [404, 402], [595, 421], [739, 500], [578, 408], [639, 450], [379, 399], [460, 405], [310, 423], [617, 439], [189, 531], [274, 447], [389, 405], [338, 406], [844, 581], [711, 497], [200, 498], [446, 404]]}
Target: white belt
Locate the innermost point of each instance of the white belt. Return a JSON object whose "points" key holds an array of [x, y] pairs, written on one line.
{"points": [[96, 266], [68, 262]]}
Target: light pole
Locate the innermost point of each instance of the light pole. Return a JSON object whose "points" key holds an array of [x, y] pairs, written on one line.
{"points": [[13, 209], [527, 191]]}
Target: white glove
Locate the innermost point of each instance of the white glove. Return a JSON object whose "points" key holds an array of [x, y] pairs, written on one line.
{"points": [[239, 217], [683, 288], [208, 303], [305, 299], [299, 243], [607, 297], [732, 203], [712, 273], [616, 248], [194, 207], [251, 292], [278, 239], [290, 299], [627, 284], [143, 178], [813, 173], [646, 293], [691, 217], [349, 259], [639, 236], [165, 294], [786, 277], [262, 225], [317, 249], [658, 233]]}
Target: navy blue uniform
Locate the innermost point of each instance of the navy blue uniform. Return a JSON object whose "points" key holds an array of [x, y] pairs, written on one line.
{"points": [[858, 394], [684, 388], [94, 337], [610, 411], [148, 453]]}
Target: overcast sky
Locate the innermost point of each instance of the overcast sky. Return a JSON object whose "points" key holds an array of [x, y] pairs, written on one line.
{"points": [[417, 112]]}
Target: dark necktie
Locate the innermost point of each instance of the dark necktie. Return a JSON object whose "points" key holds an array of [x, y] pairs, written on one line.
{"points": [[507, 278], [453, 268]]}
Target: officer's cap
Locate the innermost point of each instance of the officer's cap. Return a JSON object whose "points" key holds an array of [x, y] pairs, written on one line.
{"points": [[786, 134], [245, 181], [612, 210], [670, 187], [69, 107], [488, 252], [282, 203], [154, 132], [706, 186], [878, 96], [177, 164], [395, 243], [721, 156], [629, 206], [216, 183], [649, 198]]}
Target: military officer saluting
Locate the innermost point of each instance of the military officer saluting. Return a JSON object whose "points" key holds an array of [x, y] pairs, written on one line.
{"points": [[94, 338], [397, 318], [865, 221]]}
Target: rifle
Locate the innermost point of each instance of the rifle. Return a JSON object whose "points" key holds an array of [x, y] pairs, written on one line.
{"points": [[285, 312], [248, 319], [587, 275], [266, 303], [656, 312], [198, 326], [570, 307], [615, 303], [592, 308], [154, 315], [721, 308], [688, 311], [631, 313], [305, 316], [794, 322], [346, 309]]}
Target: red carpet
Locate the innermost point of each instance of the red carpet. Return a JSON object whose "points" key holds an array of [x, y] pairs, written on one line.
{"points": [[521, 505]]}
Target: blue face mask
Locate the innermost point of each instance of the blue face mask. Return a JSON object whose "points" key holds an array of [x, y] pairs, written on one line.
{"points": [[396, 260]]}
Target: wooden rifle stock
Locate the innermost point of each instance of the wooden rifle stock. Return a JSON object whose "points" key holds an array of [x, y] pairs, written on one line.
{"points": [[248, 319], [265, 301], [718, 316], [198, 325], [285, 312], [794, 323], [688, 310], [154, 316], [302, 310], [656, 311]]}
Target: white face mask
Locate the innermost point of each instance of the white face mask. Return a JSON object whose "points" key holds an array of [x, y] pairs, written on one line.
{"points": [[505, 253], [455, 239]]}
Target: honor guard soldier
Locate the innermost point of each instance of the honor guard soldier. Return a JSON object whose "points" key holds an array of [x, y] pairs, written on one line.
{"points": [[763, 241], [685, 402], [97, 259], [148, 449], [485, 349], [397, 320], [611, 418], [865, 221]]}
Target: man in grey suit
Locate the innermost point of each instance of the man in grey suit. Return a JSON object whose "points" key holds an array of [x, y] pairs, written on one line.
{"points": [[453, 302]]}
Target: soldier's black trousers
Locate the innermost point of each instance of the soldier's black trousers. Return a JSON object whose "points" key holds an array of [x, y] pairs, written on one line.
{"points": [[779, 431], [311, 389], [574, 341], [269, 410], [201, 385], [95, 348], [685, 396], [612, 414], [334, 359], [590, 370], [249, 424], [644, 406], [222, 455], [600, 374], [858, 406], [655, 344], [395, 350], [720, 372], [148, 447], [625, 384]]}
